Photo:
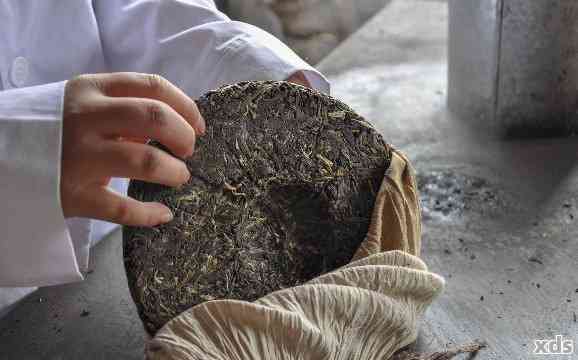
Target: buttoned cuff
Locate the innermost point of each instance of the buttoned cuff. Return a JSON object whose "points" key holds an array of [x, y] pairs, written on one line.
{"points": [[35, 246]]}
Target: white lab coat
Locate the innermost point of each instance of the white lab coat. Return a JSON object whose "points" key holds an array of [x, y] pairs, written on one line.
{"points": [[44, 43]]}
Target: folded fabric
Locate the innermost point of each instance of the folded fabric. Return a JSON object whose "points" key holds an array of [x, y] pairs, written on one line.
{"points": [[367, 309]]}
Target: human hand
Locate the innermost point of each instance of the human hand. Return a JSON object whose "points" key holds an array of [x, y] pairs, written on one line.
{"points": [[107, 121]]}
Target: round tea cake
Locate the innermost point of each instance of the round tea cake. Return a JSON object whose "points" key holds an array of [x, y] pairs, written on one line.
{"points": [[282, 189]]}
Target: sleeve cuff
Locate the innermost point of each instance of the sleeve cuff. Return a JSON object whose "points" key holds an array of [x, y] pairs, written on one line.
{"points": [[35, 247]]}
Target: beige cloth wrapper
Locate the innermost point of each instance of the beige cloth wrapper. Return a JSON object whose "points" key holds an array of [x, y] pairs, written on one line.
{"points": [[365, 310]]}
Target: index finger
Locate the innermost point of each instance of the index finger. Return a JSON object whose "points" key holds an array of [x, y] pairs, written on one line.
{"points": [[152, 86]]}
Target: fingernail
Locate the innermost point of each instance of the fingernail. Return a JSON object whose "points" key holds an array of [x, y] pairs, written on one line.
{"points": [[167, 216]]}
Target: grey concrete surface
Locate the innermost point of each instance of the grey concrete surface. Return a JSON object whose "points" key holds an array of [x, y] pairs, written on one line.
{"points": [[94, 319], [500, 218]]}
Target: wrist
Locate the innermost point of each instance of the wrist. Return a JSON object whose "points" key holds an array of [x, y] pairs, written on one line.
{"points": [[299, 78]]}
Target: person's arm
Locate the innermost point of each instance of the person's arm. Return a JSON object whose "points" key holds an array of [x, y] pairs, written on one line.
{"points": [[194, 45], [60, 144]]}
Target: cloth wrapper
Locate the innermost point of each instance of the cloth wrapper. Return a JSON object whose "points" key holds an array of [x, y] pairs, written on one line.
{"points": [[365, 310]]}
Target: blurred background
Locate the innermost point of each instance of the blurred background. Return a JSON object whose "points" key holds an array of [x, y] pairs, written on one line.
{"points": [[312, 28]]}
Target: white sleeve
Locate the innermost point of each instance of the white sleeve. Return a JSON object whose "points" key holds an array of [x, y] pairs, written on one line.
{"points": [[193, 45], [35, 246]]}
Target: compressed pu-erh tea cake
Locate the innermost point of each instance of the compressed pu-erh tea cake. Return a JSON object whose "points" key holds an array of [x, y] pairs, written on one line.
{"points": [[282, 189]]}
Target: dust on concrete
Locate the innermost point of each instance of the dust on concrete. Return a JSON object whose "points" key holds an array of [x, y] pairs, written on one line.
{"points": [[447, 194]]}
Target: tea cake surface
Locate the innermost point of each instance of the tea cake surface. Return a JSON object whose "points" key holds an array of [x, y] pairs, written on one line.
{"points": [[282, 189]]}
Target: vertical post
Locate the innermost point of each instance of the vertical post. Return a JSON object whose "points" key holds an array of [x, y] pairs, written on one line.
{"points": [[513, 64], [473, 58]]}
